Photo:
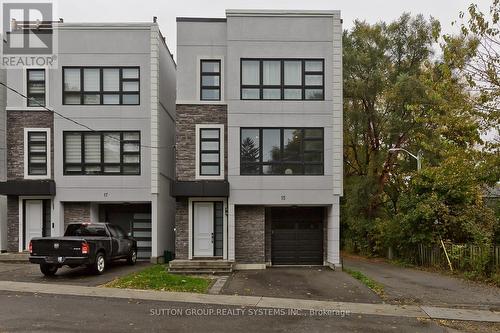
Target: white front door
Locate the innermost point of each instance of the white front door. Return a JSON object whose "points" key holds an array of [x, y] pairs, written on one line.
{"points": [[33, 220], [203, 229]]}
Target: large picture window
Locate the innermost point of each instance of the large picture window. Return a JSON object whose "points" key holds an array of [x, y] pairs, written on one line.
{"points": [[102, 153], [281, 151], [282, 79], [101, 85], [210, 80]]}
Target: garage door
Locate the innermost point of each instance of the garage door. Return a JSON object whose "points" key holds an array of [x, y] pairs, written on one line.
{"points": [[297, 236], [133, 218], [141, 231]]}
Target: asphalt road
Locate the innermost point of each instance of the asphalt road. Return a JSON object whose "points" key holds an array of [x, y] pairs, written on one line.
{"points": [[413, 286], [23, 312]]}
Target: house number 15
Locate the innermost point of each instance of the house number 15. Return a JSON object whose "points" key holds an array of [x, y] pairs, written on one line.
{"points": [[283, 197]]}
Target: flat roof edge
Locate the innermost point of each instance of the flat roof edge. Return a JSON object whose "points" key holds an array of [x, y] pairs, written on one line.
{"points": [[104, 24], [278, 12], [200, 19]]}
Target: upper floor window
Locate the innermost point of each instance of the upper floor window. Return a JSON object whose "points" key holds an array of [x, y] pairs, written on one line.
{"points": [[102, 153], [210, 79], [35, 87], [37, 153], [210, 151], [101, 85], [281, 151], [282, 79]]}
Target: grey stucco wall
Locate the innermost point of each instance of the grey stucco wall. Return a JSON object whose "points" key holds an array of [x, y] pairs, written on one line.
{"points": [[271, 36], [165, 157], [286, 37], [196, 41], [104, 46]]}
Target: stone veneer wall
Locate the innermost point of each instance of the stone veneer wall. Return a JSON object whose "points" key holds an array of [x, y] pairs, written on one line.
{"points": [[12, 223], [181, 229], [17, 121], [249, 234], [76, 212], [187, 118], [268, 235]]}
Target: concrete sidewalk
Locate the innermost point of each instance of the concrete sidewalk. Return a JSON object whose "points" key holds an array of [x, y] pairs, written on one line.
{"points": [[411, 311]]}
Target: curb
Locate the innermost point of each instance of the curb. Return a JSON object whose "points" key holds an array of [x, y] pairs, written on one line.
{"points": [[411, 311]]}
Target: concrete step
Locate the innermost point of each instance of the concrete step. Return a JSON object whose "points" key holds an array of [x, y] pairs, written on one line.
{"points": [[200, 266], [200, 271], [201, 263], [14, 258]]}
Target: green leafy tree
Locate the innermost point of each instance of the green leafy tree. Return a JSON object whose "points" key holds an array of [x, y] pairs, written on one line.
{"points": [[475, 52], [399, 94]]}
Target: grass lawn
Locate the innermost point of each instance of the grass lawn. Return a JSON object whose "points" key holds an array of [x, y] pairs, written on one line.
{"points": [[157, 278], [369, 282]]}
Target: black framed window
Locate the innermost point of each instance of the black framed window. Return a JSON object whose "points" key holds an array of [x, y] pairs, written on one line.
{"points": [[101, 86], [210, 158], [37, 153], [102, 153], [35, 87], [281, 151], [282, 79], [210, 78]]}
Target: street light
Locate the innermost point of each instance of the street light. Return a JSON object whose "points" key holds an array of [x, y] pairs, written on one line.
{"points": [[418, 157]]}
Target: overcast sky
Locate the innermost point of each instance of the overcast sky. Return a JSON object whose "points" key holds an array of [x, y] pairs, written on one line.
{"points": [[167, 10]]}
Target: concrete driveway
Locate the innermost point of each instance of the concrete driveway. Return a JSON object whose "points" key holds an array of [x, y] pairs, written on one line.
{"points": [[27, 272], [318, 283], [414, 286]]}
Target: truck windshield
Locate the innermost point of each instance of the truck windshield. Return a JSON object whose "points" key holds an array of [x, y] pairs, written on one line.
{"points": [[85, 230]]}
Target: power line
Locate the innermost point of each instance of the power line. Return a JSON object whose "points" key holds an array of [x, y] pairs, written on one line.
{"points": [[70, 119]]}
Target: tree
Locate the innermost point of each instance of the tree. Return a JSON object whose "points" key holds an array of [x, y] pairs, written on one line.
{"points": [[475, 52], [249, 153], [399, 94]]}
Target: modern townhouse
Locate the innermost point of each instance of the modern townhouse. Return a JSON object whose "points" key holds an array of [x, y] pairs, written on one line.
{"points": [[107, 155], [259, 140]]}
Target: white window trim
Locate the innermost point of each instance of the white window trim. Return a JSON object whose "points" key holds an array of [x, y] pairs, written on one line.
{"points": [[221, 153], [49, 171], [25, 89], [224, 223], [21, 217], [198, 78]]}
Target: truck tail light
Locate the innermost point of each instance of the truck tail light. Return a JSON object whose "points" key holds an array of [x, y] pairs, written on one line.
{"points": [[30, 247], [85, 248]]}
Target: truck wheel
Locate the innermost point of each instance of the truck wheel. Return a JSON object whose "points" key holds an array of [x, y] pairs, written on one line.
{"points": [[48, 270], [132, 257], [100, 263]]}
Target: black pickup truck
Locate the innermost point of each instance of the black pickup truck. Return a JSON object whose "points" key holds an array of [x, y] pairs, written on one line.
{"points": [[83, 244]]}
